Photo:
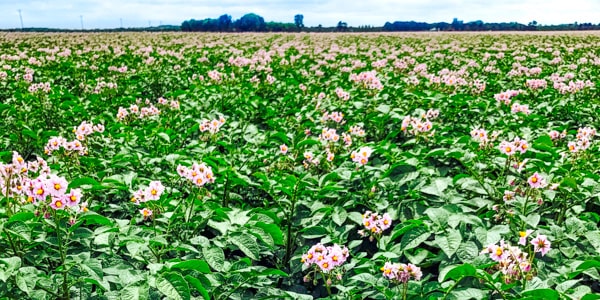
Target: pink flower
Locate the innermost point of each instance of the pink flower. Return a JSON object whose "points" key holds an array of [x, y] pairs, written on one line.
{"points": [[154, 190], [523, 236], [498, 253], [507, 148], [541, 244], [73, 197], [283, 149], [536, 181], [57, 203], [57, 186], [146, 213]]}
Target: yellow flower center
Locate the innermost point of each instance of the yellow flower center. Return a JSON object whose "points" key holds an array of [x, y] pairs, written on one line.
{"points": [[58, 204], [325, 265], [508, 149], [73, 198], [522, 233], [386, 222], [57, 186], [153, 192], [146, 213], [499, 251], [39, 191], [534, 179]]}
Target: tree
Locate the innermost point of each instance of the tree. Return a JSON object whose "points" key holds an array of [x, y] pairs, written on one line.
{"points": [[224, 22], [342, 26], [299, 20], [251, 22]]}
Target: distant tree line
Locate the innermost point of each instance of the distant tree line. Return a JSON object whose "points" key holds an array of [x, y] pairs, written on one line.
{"points": [[254, 22]]}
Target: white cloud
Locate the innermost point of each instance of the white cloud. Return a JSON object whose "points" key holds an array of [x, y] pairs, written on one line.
{"points": [[135, 13]]}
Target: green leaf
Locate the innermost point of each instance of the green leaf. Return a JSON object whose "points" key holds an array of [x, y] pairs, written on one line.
{"points": [[314, 232], [92, 218], [173, 286], [78, 182], [165, 137], [131, 293], [594, 238], [564, 286], [215, 257], [8, 266], [384, 108], [273, 230], [365, 277], [192, 264], [467, 252], [194, 282], [247, 244], [339, 215], [21, 216], [449, 243], [92, 267], [414, 237], [437, 186], [24, 283], [457, 272], [546, 294]]}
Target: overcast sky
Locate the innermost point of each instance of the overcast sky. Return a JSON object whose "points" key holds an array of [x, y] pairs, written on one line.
{"points": [[137, 13]]}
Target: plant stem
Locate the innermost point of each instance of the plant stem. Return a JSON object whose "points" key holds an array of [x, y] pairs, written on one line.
{"points": [[12, 244], [63, 256]]}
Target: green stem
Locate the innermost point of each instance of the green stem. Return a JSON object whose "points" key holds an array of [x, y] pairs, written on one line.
{"points": [[404, 290], [63, 256], [326, 285], [12, 243]]}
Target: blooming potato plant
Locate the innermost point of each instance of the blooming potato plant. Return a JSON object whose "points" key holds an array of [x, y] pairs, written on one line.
{"points": [[295, 166]]}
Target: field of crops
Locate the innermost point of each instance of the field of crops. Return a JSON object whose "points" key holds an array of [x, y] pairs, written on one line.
{"points": [[299, 166]]}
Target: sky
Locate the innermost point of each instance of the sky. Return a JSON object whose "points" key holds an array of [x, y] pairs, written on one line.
{"points": [[70, 14]]}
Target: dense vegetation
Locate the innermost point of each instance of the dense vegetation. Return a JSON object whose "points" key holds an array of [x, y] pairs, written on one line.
{"points": [[264, 166]]}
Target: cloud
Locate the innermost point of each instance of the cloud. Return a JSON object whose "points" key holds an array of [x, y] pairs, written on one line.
{"points": [[136, 13]]}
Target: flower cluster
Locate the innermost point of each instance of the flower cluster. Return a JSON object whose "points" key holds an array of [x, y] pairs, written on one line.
{"points": [[361, 157], [513, 262], [329, 135], [505, 97], [367, 79], [555, 135], [375, 224], [212, 126], [401, 273], [325, 258], [173, 104], [517, 108], [198, 174], [416, 126], [135, 110], [342, 94], [583, 142], [37, 87], [511, 148], [57, 143], [481, 135], [15, 175], [45, 190], [357, 130], [153, 192], [536, 84], [333, 116], [84, 129]]}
